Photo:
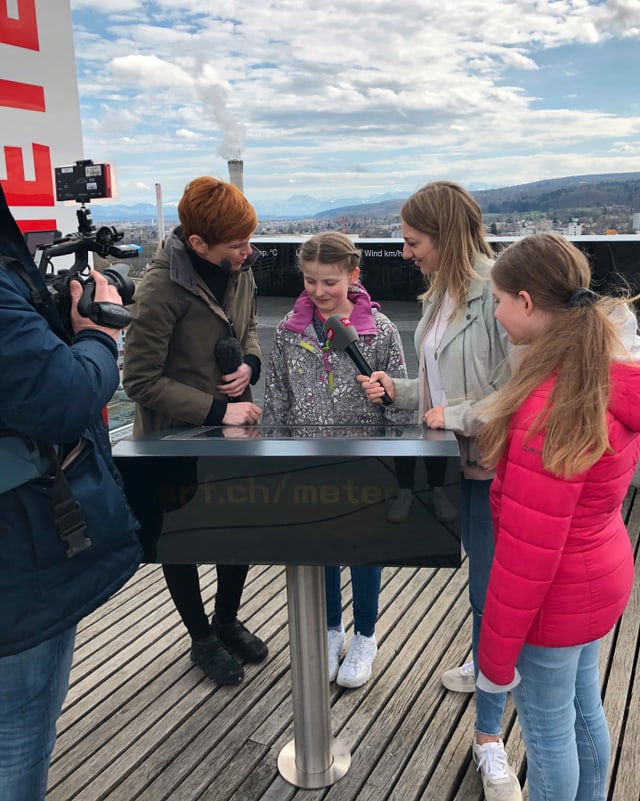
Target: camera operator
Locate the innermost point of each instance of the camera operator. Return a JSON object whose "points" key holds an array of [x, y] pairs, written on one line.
{"points": [[67, 536]]}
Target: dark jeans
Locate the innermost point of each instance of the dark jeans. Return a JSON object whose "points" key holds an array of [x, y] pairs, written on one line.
{"points": [[476, 531], [365, 583]]}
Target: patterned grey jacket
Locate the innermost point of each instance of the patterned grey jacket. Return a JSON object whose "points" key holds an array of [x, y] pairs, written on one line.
{"points": [[310, 383]]}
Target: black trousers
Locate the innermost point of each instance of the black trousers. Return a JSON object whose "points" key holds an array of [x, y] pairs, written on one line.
{"points": [[183, 582], [405, 467]]}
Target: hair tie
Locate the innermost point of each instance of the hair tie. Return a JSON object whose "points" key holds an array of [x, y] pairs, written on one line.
{"points": [[582, 297]]}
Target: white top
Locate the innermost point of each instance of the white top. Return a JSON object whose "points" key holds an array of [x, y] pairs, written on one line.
{"points": [[431, 351]]}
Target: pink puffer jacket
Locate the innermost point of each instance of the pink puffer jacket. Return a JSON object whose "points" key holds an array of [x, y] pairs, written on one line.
{"points": [[563, 566]]}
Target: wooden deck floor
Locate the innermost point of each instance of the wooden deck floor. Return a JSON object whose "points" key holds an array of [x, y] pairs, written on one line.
{"points": [[141, 723]]}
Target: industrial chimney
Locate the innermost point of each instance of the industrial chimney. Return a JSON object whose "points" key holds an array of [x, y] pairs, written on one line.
{"points": [[235, 173]]}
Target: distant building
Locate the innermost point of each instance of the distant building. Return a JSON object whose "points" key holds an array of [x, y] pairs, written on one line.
{"points": [[573, 229], [636, 222]]}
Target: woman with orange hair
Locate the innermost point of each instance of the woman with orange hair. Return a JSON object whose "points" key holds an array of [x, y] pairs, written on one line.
{"points": [[199, 290]]}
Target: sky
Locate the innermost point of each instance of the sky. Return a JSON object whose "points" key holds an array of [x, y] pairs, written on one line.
{"points": [[357, 98]]}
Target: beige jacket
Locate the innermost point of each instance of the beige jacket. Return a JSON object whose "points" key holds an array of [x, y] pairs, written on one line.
{"points": [[473, 364]]}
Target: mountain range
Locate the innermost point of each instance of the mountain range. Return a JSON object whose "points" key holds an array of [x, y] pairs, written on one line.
{"points": [[292, 207], [556, 194], [549, 196]]}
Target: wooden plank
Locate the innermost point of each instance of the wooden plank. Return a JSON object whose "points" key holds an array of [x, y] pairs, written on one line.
{"points": [[621, 686], [142, 724], [158, 680], [365, 719], [205, 764]]}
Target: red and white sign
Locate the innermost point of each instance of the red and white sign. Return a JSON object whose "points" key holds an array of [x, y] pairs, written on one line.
{"points": [[40, 124]]}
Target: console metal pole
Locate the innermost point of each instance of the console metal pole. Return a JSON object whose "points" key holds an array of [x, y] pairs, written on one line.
{"points": [[313, 758]]}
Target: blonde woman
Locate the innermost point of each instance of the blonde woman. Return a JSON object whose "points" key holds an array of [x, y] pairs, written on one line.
{"points": [[462, 359]]}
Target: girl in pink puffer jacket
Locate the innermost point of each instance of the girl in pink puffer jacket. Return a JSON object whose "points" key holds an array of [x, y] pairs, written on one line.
{"points": [[563, 437]]}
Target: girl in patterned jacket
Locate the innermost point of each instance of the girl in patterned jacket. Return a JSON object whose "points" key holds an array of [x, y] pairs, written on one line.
{"points": [[564, 438], [311, 384]]}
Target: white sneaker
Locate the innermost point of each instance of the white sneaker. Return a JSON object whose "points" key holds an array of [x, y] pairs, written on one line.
{"points": [[441, 506], [335, 644], [498, 777], [356, 667], [400, 509], [460, 679]]}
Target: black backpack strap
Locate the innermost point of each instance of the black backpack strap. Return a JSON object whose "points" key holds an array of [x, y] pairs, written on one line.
{"points": [[38, 294], [68, 516]]}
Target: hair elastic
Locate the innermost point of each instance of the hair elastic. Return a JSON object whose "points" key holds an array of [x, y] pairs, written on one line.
{"points": [[581, 297]]}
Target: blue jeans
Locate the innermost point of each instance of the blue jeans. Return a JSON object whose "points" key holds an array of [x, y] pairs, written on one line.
{"points": [[563, 725], [366, 590], [33, 686], [476, 531]]}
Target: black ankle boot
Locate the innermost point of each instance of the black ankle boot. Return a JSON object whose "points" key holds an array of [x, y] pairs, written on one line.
{"points": [[215, 661], [240, 641]]}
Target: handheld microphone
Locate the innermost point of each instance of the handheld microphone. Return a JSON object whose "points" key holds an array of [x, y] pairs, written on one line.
{"points": [[343, 336], [230, 355]]}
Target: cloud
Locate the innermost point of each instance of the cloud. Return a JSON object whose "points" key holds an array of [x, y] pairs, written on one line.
{"points": [[108, 6], [357, 95], [623, 15], [149, 71], [184, 133]]}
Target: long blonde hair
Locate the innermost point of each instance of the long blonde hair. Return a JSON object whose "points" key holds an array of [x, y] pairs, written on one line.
{"points": [[576, 347], [451, 217]]}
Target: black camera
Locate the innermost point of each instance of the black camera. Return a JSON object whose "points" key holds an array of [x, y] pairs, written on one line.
{"points": [[103, 241]]}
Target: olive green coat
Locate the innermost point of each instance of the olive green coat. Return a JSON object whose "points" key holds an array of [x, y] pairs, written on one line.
{"points": [[169, 366]]}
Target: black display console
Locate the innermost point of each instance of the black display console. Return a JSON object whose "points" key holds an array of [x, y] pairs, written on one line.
{"points": [[294, 495], [302, 497]]}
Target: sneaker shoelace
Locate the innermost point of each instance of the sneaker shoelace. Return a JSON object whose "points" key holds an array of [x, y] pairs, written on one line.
{"points": [[492, 760], [356, 651]]}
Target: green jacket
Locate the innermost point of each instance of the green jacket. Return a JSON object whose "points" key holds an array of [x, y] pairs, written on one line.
{"points": [[169, 365]]}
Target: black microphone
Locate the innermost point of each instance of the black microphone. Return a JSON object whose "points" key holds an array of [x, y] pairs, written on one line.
{"points": [[343, 336], [229, 354]]}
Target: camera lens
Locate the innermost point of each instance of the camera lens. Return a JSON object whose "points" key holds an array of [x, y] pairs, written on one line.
{"points": [[117, 276]]}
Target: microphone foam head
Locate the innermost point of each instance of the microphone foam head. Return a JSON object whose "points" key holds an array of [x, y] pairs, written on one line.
{"points": [[340, 331], [229, 354]]}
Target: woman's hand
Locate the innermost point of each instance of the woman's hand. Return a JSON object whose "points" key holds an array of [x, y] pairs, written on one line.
{"points": [[241, 414], [236, 383], [376, 384], [241, 432], [434, 418]]}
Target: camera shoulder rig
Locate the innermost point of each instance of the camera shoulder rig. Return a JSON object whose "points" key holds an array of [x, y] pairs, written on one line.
{"points": [[23, 458]]}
